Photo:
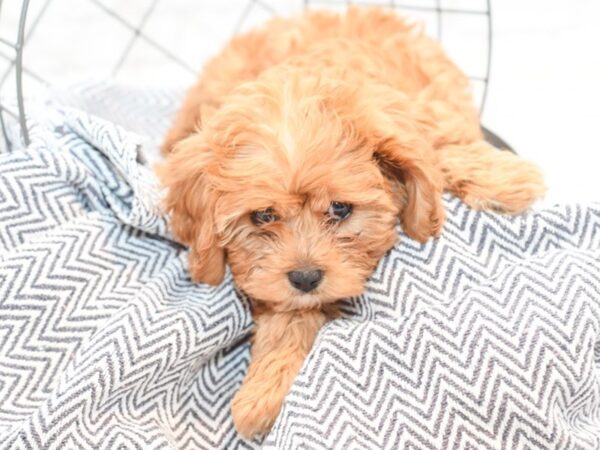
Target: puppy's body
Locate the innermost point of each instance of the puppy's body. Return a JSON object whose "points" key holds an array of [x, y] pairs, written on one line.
{"points": [[295, 155]]}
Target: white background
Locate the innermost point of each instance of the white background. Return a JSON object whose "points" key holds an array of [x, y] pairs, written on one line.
{"points": [[545, 90]]}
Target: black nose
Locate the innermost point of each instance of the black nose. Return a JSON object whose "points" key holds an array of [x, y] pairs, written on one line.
{"points": [[305, 280]]}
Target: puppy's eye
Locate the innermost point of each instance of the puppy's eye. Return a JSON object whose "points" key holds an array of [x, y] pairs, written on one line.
{"points": [[339, 211], [263, 216]]}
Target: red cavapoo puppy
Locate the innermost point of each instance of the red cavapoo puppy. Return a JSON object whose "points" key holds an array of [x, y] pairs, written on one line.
{"points": [[296, 154]]}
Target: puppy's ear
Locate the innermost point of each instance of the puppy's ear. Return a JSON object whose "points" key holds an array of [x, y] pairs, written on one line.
{"points": [[404, 154], [423, 214], [191, 203]]}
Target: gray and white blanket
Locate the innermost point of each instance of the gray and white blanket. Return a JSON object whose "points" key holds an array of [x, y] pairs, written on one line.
{"points": [[488, 337]]}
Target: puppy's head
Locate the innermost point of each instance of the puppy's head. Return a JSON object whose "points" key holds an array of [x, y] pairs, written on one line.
{"points": [[297, 182]]}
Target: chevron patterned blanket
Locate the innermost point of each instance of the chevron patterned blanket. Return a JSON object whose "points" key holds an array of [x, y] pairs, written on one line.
{"points": [[486, 338]]}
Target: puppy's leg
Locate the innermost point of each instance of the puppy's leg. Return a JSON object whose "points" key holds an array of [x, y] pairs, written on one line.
{"points": [[280, 344], [486, 178]]}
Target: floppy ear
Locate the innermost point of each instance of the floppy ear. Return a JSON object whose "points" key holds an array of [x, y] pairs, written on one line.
{"points": [[404, 154], [191, 203], [423, 215]]}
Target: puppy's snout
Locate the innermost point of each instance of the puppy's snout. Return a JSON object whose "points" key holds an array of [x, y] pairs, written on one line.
{"points": [[305, 280]]}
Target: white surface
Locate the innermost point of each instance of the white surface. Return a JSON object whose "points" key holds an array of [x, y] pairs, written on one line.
{"points": [[545, 90], [544, 96]]}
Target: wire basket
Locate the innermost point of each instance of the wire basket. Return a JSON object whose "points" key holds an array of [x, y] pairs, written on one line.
{"points": [[16, 61], [444, 20]]}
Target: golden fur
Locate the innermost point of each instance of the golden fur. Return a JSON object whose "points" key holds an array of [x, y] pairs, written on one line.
{"points": [[359, 108]]}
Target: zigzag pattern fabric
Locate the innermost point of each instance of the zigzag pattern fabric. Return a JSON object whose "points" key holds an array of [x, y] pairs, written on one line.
{"points": [[486, 338]]}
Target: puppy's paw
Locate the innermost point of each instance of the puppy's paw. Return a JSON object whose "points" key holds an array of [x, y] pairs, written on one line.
{"points": [[256, 406], [489, 179], [511, 191], [258, 402], [280, 344]]}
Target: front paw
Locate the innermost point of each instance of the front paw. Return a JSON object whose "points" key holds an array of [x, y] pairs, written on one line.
{"points": [[280, 344], [506, 193], [510, 185], [256, 406]]}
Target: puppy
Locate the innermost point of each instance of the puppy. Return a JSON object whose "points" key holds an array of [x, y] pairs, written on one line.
{"points": [[293, 159]]}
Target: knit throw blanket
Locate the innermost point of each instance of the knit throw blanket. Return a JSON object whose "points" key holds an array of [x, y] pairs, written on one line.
{"points": [[485, 338]]}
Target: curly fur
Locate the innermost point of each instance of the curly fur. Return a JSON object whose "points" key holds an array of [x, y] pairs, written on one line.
{"points": [[361, 108]]}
